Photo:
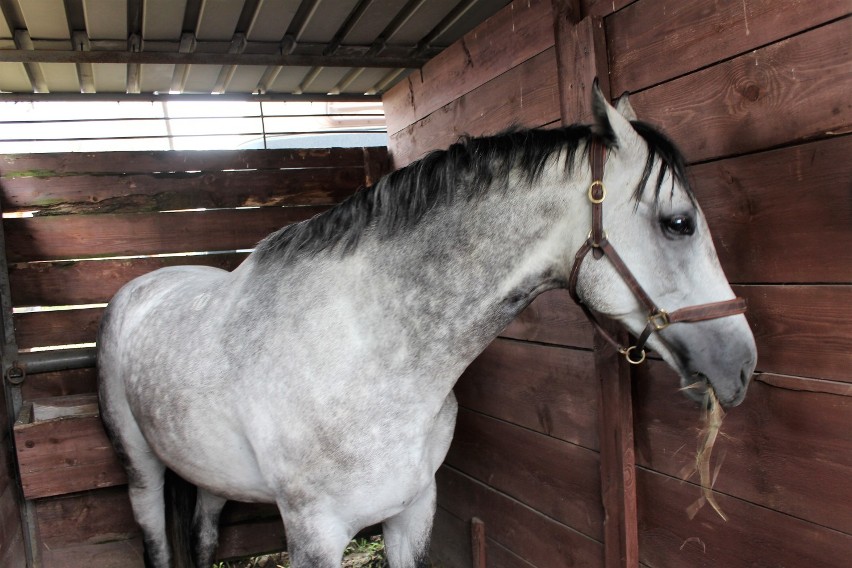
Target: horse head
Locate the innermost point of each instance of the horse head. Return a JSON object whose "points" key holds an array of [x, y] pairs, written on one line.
{"points": [[653, 220]]}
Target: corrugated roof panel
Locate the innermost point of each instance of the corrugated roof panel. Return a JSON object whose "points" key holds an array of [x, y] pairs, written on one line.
{"points": [[5, 32], [422, 21], [45, 19], [271, 19], [106, 19], [326, 19], [110, 77], [202, 78], [218, 19], [156, 78], [365, 80], [375, 19], [289, 79], [13, 78], [61, 77], [326, 80], [246, 78], [162, 19]]}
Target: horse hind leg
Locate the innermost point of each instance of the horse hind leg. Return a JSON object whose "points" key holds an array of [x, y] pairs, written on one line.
{"points": [[408, 533], [205, 527], [145, 487]]}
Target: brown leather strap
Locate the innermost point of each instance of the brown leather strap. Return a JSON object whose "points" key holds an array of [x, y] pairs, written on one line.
{"points": [[710, 311]]}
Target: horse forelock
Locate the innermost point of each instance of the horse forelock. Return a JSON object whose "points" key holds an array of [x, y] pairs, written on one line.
{"points": [[465, 170], [661, 148]]}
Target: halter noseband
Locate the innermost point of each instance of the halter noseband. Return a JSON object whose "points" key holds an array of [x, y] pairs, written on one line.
{"points": [[599, 245]]}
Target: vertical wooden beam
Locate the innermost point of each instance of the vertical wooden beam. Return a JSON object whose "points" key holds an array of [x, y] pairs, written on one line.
{"points": [[477, 543], [580, 57]]}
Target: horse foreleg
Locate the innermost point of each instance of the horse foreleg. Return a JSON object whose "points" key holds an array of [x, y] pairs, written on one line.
{"points": [[205, 527], [407, 534], [314, 540]]}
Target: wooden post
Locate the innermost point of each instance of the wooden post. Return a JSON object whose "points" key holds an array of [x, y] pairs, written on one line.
{"points": [[580, 57], [477, 543]]}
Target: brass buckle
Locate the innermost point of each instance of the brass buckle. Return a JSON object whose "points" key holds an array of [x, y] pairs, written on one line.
{"points": [[660, 320], [592, 198], [626, 352]]}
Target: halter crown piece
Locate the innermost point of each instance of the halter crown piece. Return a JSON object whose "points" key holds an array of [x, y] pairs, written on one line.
{"points": [[599, 245]]}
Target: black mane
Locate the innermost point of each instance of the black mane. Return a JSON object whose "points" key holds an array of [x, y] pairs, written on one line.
{"points": [[463, 171]]}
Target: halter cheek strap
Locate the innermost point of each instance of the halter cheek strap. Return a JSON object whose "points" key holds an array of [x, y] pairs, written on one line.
{"points": [[598, 244]]}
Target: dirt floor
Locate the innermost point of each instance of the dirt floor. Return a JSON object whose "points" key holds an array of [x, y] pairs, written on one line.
{"points": [[361, 553]]}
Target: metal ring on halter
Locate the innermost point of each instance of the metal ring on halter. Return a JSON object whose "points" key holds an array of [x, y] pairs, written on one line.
{"points": [[595, 245], [626, 353], [659, 320], [592, 198]]}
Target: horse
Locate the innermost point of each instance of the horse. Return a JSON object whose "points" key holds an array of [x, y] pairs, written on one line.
{"points": [[318, 374]]}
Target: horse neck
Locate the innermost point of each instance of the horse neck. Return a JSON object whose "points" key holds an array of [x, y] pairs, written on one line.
{"points": [[457, 278]]}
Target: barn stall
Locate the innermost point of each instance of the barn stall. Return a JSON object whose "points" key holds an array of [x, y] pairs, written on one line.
{"points": [[563, 456]]}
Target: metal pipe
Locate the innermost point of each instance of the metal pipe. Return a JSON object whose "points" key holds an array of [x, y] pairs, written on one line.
{"points": [[60, 360]]}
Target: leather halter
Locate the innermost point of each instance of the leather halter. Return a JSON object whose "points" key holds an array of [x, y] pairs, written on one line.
{"points": [[599, 245]]}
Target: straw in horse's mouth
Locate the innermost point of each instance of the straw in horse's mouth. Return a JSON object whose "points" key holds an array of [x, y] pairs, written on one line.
{"points": [[712, 422]]}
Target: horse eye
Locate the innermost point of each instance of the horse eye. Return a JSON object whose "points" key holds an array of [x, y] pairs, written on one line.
{"points": [[678, 225]]}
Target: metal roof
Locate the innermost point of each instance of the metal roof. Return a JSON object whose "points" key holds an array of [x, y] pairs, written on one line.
{"points": [[284, 49]]}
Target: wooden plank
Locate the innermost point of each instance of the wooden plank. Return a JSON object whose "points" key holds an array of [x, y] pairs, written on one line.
{"points": [[65, 455], [602, 8], [526, 95], [68, 283], [525, 532], [753, 536], [90, 517], [553, 317], [642, 37], [516, 33], [558, 479], [788, 447], [781, 216], [61, 383], [12, 552], [580, 58], [450, 544], [85, 236], [115, 554], [546, 389], [734, 107], [132, 193], [618, 463], [255, 538], [144, 162], [51, 329], [802, 330]]}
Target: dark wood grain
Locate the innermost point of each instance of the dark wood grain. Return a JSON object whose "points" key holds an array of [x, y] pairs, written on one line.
{"points": [[788, 447], [52, 329], [752, 536], [642, 37], [580, 59], [550, 390], [94, 516], [132, 193], [526, 95], [553, 317], [783, 215], [554, 477], [60, 383], [94, 281], [802, 330], [86, 236], [789, 91], [540, 540], [524, 30], [144, 162]]}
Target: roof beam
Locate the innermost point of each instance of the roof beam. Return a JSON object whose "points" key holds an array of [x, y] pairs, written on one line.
{"points": [[171, 58]]}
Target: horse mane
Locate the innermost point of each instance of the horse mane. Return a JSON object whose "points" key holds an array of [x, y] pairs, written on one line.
{"points": [[464, 171]]}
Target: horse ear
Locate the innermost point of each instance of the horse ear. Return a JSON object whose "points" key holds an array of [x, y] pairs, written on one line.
{"points": [[624, 108], [610, 124]]}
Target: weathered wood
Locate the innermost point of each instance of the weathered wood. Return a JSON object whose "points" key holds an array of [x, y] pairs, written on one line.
{"points": [[61, 383], [602, 8], [12, 551], [477, 543], [537, 538], [93, 282], [52, 329], [789, 91], [580, 58], [114, 554], [527, 95], [642, 37], [524, 30], [547, 389], [802, 330], [787, 447], [558, 479], [143, 162], [618, 463], [376, 165], [781, 216], [752, 536], [133, 193], [65, 455], [553, 317], [85, 236]]}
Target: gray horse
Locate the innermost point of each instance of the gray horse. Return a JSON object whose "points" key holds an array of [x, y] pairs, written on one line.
{"points": [[348, 331]]}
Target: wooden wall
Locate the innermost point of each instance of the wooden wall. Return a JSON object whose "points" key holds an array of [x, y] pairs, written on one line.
{"points": [[756, 93], [102, 219]]}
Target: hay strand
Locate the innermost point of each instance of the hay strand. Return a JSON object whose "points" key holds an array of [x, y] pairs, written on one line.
{"points": [[711, 423]]}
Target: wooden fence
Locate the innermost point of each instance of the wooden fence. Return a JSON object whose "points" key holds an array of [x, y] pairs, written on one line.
{"points": [[756, 93], [77, 227]]}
